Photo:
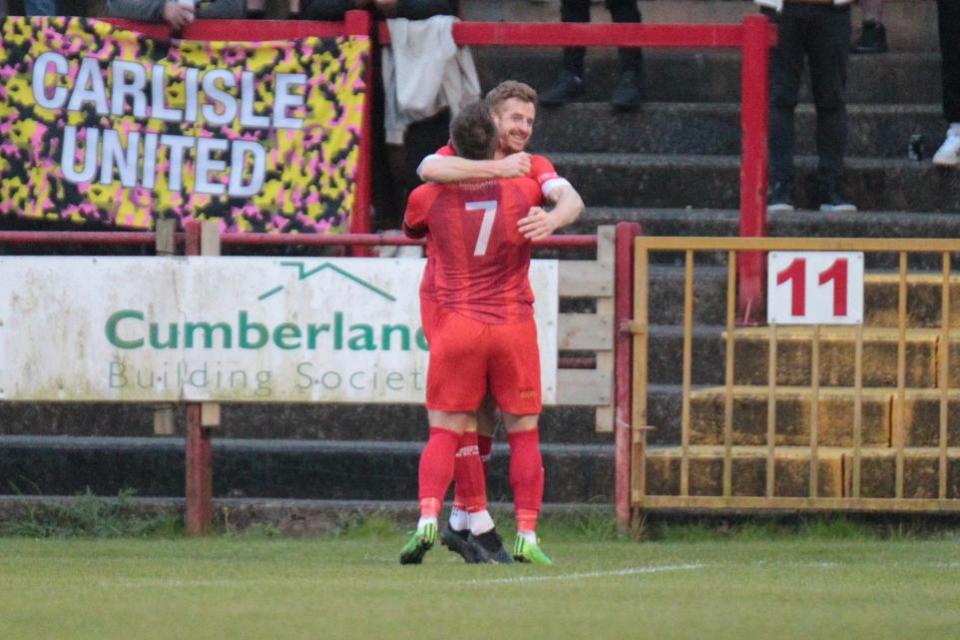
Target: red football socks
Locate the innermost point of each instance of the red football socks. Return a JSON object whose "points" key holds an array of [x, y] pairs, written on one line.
{"points": [[470, 490], [526, 477], [436, 469]]}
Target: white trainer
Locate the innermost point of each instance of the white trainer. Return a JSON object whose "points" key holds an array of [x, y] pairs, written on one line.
{"points": [[948, 155]]}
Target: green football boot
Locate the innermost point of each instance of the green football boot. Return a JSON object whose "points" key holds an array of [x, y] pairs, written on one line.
{"points": [[524, 551], [419, 543]]}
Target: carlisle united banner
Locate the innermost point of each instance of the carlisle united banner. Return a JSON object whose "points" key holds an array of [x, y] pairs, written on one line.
{"points": [[99, 124]]}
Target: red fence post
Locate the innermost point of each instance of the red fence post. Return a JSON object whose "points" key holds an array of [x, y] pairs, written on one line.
{"points": [[199, 449], [623, 367], [753, 170], [359, 24], [199, 464]]}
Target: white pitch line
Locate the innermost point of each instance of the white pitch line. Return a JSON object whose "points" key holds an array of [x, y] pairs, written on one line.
{"points": [[593, 574], [177, 583]]}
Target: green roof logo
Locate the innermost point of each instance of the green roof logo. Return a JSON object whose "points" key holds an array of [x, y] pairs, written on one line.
{"points": [[304, 274]]}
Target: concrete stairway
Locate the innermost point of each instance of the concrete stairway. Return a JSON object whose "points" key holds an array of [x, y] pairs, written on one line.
{"points": [[673, 166]]}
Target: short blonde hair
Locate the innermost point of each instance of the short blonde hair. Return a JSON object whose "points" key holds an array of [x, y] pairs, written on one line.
{"points": [[510, 89]]}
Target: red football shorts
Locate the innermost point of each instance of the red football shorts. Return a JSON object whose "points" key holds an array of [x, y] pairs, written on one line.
{"points": [[467, 357], [428, 309]]}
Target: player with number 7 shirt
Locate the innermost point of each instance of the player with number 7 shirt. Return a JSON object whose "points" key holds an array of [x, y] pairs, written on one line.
{"points": [[481, 332], [513, 108]]}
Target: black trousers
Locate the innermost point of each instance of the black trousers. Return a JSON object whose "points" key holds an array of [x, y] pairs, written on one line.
{"points": [[948, 19], [410, 9], [620, 11], [819, 35]]}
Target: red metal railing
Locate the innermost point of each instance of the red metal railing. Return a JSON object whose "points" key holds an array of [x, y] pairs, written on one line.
{"points": [[148, 238], [623, 367], [754, 38]]}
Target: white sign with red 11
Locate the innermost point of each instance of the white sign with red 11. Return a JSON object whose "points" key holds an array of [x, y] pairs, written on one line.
{"points": [[814, 287]]}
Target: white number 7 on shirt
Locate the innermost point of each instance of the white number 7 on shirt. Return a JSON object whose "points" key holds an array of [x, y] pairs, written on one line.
{"points": [[489, 208]]}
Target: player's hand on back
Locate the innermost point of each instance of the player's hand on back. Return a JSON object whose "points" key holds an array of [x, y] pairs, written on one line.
{"points": [[516, 165], [537, 224]]}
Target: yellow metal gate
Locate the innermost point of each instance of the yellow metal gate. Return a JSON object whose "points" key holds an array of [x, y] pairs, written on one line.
{"points": [[847, 439]]}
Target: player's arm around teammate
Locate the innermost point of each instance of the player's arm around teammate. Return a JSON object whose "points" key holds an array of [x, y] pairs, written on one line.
{"points": [[513, 106]]}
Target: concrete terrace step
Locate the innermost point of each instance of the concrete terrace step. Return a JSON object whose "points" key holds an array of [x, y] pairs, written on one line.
{"points": [[714, 128], [921, 426], [836, 355], [835, 417], [751, 354], [677, 181], [273, 468], [306, 422], [792, 472], [712, 75], [804, 224]]}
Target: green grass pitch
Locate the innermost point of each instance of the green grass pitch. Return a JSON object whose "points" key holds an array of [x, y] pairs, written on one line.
{"points": [[274, 589]]}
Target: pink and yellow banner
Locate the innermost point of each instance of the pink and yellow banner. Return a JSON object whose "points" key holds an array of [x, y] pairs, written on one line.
{"points": [[105, 125]]}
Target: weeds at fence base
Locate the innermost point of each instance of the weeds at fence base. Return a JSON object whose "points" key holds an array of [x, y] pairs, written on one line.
{"points": [[90, 516]]}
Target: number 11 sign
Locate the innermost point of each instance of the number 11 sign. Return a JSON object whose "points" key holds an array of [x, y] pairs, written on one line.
{"points": [[814, 287]]}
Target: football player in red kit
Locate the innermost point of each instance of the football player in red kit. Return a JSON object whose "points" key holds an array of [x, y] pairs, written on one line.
{"points": [[482, 337], [513, 107]]}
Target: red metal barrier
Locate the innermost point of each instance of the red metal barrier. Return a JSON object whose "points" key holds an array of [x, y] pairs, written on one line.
{"points": [[623, 367], [552, 34], [148, 238], [754, 38], [753, 169], [198, 445]]}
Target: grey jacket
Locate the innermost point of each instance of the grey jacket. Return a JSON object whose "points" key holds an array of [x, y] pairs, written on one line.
{"points": [[152, 10], [778, 4]]}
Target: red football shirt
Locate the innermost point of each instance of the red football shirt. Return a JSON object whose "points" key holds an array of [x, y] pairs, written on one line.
{"points": [[478, 260]]}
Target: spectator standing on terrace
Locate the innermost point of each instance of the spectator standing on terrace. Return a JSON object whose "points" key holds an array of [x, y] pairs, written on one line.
{"points": [[948, 21], [176, 14], [873, 35], [513, 107], [628, 93], [482, 328], [820, 33]]}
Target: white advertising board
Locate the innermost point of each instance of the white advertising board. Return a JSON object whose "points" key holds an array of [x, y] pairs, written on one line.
{"points": [[814, 287], [226, 329]]}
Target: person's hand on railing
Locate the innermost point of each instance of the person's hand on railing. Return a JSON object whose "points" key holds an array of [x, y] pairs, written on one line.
{"points": [[515, 165], [178, 15]]}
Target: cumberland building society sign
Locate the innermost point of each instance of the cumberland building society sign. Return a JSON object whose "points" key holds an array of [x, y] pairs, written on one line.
{"points": [[225, 329]]}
